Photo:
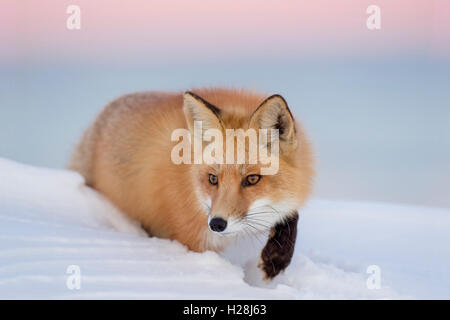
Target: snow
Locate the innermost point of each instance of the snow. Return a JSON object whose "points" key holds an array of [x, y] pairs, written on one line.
{"points": [[49, 220]]}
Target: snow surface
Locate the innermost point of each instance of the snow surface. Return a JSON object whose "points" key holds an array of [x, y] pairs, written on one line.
{"points": [[49, 221]]}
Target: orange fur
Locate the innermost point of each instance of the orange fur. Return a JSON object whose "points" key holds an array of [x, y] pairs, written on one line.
{"points": [[125, 155]]}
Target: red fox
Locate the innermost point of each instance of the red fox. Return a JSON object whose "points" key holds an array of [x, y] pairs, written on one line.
{"points": [[126, 154]]}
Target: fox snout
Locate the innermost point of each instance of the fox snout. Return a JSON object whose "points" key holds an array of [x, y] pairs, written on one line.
{"points": [[218, 224]]}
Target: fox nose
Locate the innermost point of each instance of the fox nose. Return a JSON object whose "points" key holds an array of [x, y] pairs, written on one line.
{"points": [[218, 224]]}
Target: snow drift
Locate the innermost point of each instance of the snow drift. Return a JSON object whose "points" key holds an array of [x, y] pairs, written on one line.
{"points": [[49, 220]]}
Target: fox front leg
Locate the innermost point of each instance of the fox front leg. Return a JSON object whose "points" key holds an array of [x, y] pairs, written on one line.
{"points": [[277, 253]]}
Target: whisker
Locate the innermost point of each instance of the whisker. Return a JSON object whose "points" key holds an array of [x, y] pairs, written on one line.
{"points": [[249, 236], [260, 221], [266, 227], [279, 245], [253, 234], [259, 212]]}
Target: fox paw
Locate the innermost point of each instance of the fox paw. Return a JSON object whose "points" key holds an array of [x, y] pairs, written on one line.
{"points": [[278, 251]]}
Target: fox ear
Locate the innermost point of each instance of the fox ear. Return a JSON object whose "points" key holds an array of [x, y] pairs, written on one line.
{"points": [[274, 113], [196, 108]]}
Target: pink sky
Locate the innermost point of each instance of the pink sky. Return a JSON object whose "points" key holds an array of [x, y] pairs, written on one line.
{"points": [[113, 29]]}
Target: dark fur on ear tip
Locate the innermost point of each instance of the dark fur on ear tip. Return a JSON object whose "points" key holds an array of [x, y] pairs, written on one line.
{"points": [[210, 106], [278, 124], [288, 109], [284, 101]]}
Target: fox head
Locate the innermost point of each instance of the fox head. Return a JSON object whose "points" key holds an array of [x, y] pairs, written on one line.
{"points": [[246, 197]]}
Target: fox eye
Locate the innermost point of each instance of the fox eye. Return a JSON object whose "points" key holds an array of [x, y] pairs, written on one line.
{"points": [[213, 179], [251, 180]]}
